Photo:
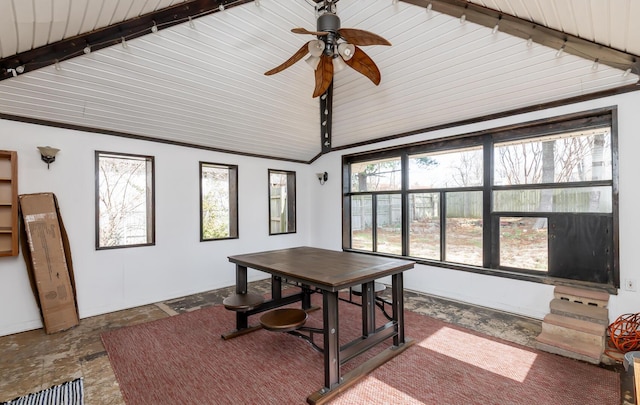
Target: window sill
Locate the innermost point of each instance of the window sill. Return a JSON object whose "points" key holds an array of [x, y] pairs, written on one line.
{"points": [[515, 275]]}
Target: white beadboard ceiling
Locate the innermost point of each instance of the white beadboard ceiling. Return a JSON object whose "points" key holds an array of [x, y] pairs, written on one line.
{"points": [[202, 84]]}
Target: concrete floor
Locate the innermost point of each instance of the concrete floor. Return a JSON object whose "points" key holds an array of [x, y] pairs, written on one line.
{"points": [[32, 361]]}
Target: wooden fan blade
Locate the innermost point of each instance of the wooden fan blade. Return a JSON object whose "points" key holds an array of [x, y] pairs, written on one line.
{"points": [[362, 63], [324, 75], [362, 37], [293, 59], [306, 31]]}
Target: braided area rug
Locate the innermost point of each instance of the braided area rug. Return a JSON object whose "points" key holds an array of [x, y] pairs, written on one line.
{"points": [[183, 360]]}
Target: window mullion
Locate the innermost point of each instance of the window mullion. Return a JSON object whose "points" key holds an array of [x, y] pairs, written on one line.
{"points": [[443, 226], [374, 222], [404, 164], [487, 202]]}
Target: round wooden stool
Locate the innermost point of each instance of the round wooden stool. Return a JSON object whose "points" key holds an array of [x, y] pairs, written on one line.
{"points": [[242, 302], [283, 319]]}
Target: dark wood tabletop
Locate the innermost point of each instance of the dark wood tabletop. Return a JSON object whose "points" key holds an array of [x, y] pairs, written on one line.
{"points": [[326, 269]]}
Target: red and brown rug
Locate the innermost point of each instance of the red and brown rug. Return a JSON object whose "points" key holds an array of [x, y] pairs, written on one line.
{"points": [[183, 360]]}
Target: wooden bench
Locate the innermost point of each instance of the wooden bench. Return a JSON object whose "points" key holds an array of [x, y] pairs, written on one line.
{"points": [[243, 302], [283, 319]]}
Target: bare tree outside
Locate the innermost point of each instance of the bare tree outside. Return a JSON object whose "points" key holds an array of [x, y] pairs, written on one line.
{"points": [[565, 158], [379, 175], [124, 200]]}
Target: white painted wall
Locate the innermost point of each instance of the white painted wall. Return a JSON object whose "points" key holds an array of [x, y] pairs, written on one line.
{"points": [[521, 297], [179, 264]]}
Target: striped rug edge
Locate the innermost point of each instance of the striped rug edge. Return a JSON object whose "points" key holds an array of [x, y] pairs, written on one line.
{"points": [[68, 393]]}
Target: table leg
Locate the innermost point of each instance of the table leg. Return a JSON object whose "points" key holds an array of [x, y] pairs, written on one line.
{"points": [[306, 297], [368, 309], [397, 294], [242, 320], [276, 287], [331, 339]]}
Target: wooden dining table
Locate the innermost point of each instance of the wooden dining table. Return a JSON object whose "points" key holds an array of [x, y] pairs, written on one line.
{"points": [[328, 272]]}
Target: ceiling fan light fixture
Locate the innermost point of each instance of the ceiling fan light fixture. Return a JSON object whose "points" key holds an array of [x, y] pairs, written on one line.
{"points": [[313, 61], [333, 48], [338, 63], [346, 50], [316, 47]]}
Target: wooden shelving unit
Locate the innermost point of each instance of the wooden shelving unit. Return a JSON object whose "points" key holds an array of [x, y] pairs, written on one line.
{"points": [[8, 203]]}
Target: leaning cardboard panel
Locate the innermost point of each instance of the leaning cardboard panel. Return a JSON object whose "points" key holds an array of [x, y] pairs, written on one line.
{"points": [[46, 251]]}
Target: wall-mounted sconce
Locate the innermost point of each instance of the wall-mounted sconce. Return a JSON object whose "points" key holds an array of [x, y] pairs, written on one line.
{"points": [[322, 177], [48, 154]]}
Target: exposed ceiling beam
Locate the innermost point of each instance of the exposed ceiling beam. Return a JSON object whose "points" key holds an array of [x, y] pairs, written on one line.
{"points": [[537, 33], [104, 37], [133, 28], [326, 119]]}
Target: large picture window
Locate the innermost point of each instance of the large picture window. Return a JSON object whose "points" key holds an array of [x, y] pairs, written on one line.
{"points": [[534, 201], [218, 201], [124, 200]]}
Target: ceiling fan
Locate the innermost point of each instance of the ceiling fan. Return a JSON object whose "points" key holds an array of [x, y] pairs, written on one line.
{"points": [[333, 48]]}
